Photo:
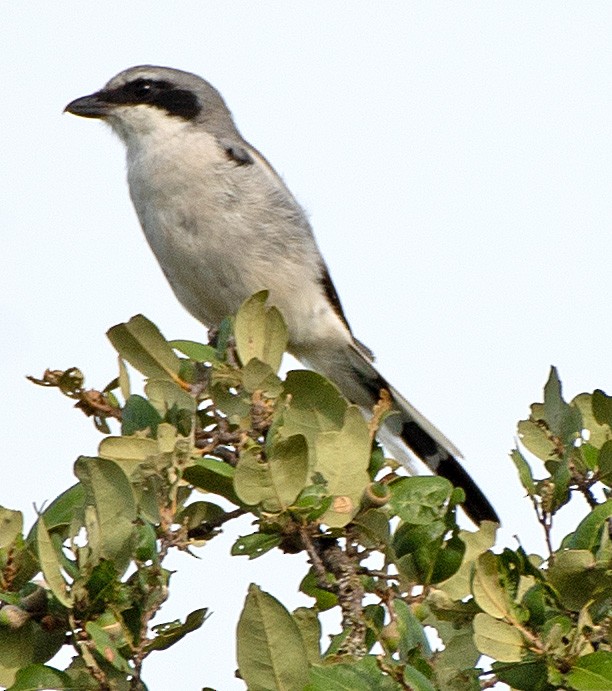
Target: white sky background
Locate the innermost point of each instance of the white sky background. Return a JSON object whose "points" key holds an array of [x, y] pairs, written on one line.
{"points": [[454, 158]]}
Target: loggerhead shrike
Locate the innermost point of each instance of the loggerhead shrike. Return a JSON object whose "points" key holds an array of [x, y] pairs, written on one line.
{"points": [[224, 226]]}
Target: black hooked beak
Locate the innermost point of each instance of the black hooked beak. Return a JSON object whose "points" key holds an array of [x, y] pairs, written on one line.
{"points": [[92, 106]]}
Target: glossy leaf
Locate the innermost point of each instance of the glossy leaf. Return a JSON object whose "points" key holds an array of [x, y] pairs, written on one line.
{"points": [[312, 405], [524, 472], [110, 494], [11, 525], [37, 676], [168, 634], [411, 633], [476, 543], [592, 672], [420, 500], [255, 545], [271, 652], [588, 533], [141, 343], [212, 475], [342, 459], [138, 414], [487, 588], [309, 626], [497, 639], [199, 352], [362, 675], [578, 566], [164, 395], [260, 332], [275, 482], [50, 564]]}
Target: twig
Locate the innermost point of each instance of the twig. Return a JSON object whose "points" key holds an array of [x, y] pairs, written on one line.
{"points": [[84, 646], [315, 559], [378, 574], [350, 593], [545, 520]]}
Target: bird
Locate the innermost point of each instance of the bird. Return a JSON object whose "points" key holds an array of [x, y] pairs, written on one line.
{"points": [[223, 226]]}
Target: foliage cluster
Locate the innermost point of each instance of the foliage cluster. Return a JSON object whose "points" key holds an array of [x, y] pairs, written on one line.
{"points": [[217, 435]]}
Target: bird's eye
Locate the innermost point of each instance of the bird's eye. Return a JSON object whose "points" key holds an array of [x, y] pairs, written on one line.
{"points": [[141, 88]]}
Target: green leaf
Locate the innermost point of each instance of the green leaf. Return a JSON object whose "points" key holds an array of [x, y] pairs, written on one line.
{"points": [[37, 676], [362, 675], [50, 564], [258, 376], [497, 639], [588, 533], [564, 420], [212, 475], [524, 471], [373, 527], [172, 632], [312, 405], [342, 459], [274, 483], [236, 405], [260, 332], [29, 644], [128, 452], [199, 512], [165, 395], [416, 680], [62, 509], [604, 463], [312, 502], [459, 586], [536, 439], [592, 672], [271, 652], [11, 525], [123, 379], [139, 414], [454, 666], [418, 548], [196, 351], [325, 599], [110, 494], [309, 626], [554, 406], [140, 342], [577, 577], [255, 545], [598, 432], [527, 675], [420, 500], [487, 588], [448, 559], [411, 633], [602, 407], [107, 647]]}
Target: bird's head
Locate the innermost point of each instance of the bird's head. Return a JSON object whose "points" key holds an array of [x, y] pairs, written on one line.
{"points": [[146, 99]]}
